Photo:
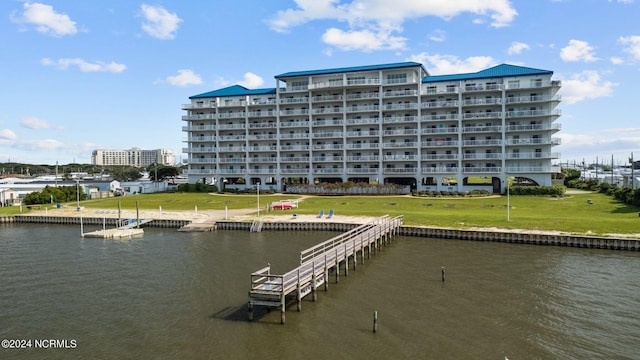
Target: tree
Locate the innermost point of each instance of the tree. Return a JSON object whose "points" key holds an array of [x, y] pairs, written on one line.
{"points": [[125, 173], [163, 172]]}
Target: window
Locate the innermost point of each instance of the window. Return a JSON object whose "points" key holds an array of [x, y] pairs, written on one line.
{"points": [[396, 78]]}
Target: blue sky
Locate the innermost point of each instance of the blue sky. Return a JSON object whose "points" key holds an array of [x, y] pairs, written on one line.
{"points": [[84, 75]]}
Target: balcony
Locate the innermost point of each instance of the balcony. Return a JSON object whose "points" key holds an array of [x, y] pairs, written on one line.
{"points": [[289, 112], [363, 133], [352, 170], [328, 110], [232, 103], [231, 171], [233, 160], [323, 135], [328, 147], [232, 115], [363, 158], [532, 155], [193, 139], [482, 170], [262, 171], [432, 117], [363, 95], [439, 130], [298, 123], [411, 170], [362, 108], [209, 116], [270, 113], [263, 148], [439, 143], [206, 160], [533, 141], [532, 99], [400, 93], [534, 84], [294, 100], [336, 122], [294, 136], [438, 157], [533, 113], [483, 115], [292, 159], [440, 170], [364, 121], [482, 156], [240, 126], [200, 172], [210, 105], [533, 127], [263, 159], [489, 142], [294, 171], [192, 128], [401, 132], [233, 149], [327, 158], [481, 129], [294, 147], [324, 98], [363, 146], [232, 137], [482, 87], [328, 171], [483, 101], [198, 150], [399, 119], [400, 157], [393, 145], [401, 106], [263, 125], [529, 169]]}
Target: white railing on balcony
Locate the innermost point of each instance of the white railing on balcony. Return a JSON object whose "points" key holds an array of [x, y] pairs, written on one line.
{"points": [[199, 128], [363, 108], [294, 136], [439, 170], [321, 98], [483, 129], [232, 126], [232, 160], [532, 155], [483, 101], [233, 137], [490, 142], [352, 170], [532, 84], [333, 134], [295, 171], [365, 81], [401, 132], [440, 117], [363, 95], [263, 125], [294, 112], [399, 119], [395, 93], [198, 150], [328, 171], [476, 170], [331, 122], [270, 113], [482, 156], [531, 113], [325, 84], [294, 100], [364, 146], [411, 170], [483, 115], [294, 147], [439, 157], [439, 143], [399, 144], [232, 149], [530, 99], [300, 123], [440, 130], [262, 171], [239, 115], [363, 158], [287, 159], [400, 157], [210, 116], [533, 141], [232, 171], [327, 110], [366, 120], [201, 138], [402, 106], [206, 160], [328, 147], [528, 169], [263, 137], [362, 133], [327, 158], [232, 103], [264, 148], [534, 127], [200, 171]]}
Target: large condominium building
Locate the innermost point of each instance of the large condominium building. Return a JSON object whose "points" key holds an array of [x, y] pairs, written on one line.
{"points": [[390, 123], [133, 157]]}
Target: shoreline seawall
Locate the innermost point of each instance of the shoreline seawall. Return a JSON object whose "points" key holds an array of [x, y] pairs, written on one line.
{"points": [[311, 224]]}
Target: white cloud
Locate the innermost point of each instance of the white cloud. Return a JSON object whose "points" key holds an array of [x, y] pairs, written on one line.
{"points": [[31, 122], [438, 35], [6, 134], [622, 1], [616, 60], [377, 21], [46, 20], [251, 81], [159, 22], [632, 45], [578, 50], [365, 40], [85, 66], [184, 78], [585, 85], [39, 144], [449, 64], [517, 47]]}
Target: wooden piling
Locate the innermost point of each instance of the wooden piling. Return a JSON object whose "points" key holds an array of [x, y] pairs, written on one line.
{"points": [[375, 321], [443, 274]]}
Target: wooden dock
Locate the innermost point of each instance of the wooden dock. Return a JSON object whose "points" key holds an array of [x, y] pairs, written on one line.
{"points": [[271, 290], [131, 229]]}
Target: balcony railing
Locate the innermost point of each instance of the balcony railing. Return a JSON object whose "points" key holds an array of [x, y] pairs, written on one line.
{"points": [[397, 93], [439, 157], [481, 129], [200, 171], [490, 142], [532, 113], [483, 115], [400, 157], [533, 141], [532, 155], [294, 147], [402, 106], [399, 119], [294, 100], [295, 171], [232, 160], [482, 156], [328, 171], [528, 169], [363, 121], [363, 158], [287, 159], [440, 143], [303, 123], [294, 136], [399, 144], [479, 170], [533, 127], [440, 130], [363, 146], [411, 170], [328, 147], [439, 170], [327, 158], [351, 170], [363, 108]]}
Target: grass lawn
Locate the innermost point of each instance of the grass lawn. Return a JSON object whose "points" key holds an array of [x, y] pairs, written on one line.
{"points": [[571, 213]]}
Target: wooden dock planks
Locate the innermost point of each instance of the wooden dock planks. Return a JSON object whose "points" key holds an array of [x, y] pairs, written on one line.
{"points": [[315, 262]]}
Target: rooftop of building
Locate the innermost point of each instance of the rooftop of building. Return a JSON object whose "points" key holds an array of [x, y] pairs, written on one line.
{"points": [[498, 71]]}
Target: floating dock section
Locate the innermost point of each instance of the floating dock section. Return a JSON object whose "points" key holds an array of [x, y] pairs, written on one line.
{"points": [[131, 229], [271, 290]]}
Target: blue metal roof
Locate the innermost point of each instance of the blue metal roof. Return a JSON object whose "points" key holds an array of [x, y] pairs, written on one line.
{"points": [[349, 69], [499, 71], [235, 90]]}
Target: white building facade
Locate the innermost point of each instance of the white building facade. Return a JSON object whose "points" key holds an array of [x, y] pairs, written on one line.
{"points": [[389, 123], [133, 157]]}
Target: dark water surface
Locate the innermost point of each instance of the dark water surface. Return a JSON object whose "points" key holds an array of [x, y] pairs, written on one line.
{"points": [[171, 295]]}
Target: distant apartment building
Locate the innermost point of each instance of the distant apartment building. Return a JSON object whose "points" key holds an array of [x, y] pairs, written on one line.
{"points": [[388, 123], [133, 157]]}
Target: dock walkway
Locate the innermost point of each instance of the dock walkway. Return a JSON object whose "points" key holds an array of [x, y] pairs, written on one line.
{"points": [[271, 290]]}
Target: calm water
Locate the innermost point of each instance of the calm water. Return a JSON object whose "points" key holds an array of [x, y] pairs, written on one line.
{"points": [[173, 295]]}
